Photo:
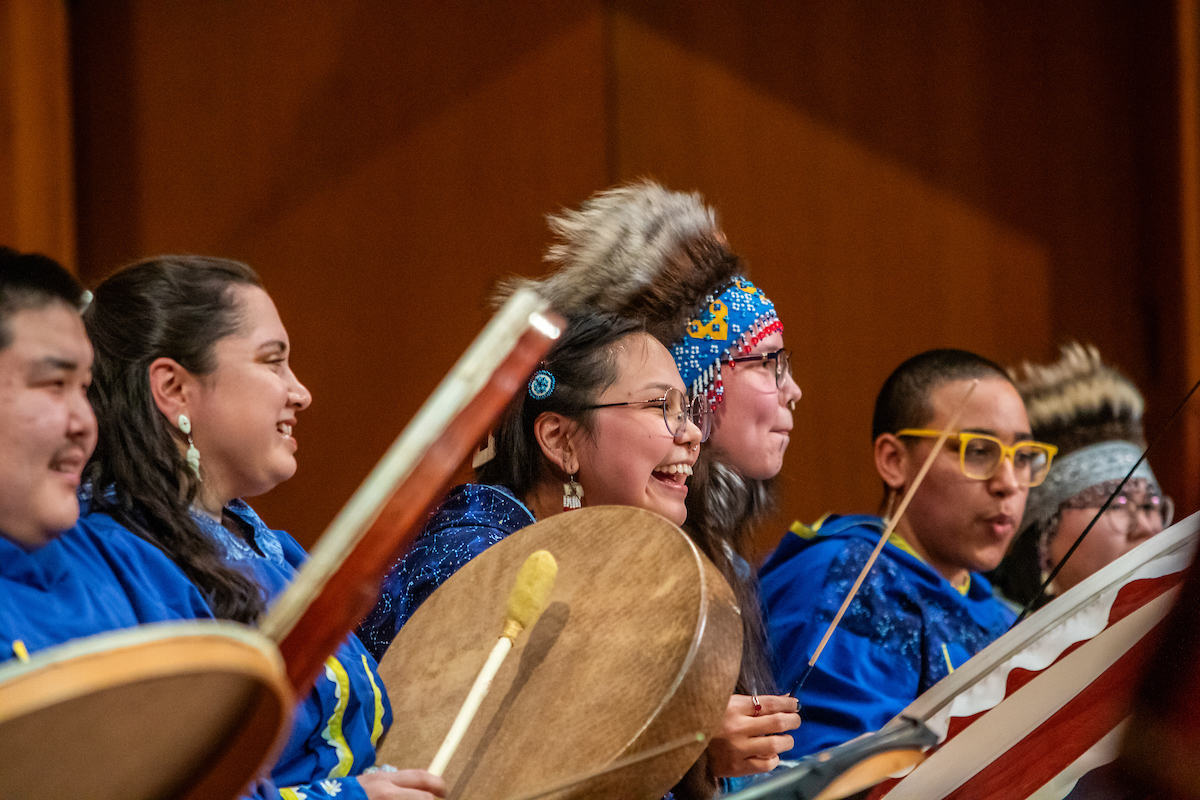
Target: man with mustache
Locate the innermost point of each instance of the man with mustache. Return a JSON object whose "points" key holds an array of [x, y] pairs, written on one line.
{"points": [[58, 580], [923, 609]]}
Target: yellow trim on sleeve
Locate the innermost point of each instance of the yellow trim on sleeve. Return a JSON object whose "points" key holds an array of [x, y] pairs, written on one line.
{"points": [[946, 653], [377, 729], [20, 650], [333, 732], [290, 794]]}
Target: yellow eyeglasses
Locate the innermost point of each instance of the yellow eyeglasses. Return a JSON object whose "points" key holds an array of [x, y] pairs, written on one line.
{"points": [[980, 455]]}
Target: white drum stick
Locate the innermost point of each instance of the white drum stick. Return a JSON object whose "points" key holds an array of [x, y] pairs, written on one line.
{"points": [[525, 603]]}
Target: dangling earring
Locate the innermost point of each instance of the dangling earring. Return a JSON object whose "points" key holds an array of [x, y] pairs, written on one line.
{"points": [[572, 495], [193, 455]]}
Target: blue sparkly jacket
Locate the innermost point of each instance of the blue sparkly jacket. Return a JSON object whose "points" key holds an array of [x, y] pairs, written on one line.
{"points": [[472, 518], [906, 629], [338, 723]]}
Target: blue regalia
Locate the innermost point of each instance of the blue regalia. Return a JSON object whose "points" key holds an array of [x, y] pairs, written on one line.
{"points": [[905, 630], [472, 518], [338, 724], [87, 581]]}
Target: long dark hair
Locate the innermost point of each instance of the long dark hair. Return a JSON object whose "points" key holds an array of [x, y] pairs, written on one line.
{"points": [[176, 307], [724, 510], [583, 364]]}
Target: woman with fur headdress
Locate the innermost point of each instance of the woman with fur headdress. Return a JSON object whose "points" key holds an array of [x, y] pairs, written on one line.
{"points": [[1093, 414], [644, 252]]}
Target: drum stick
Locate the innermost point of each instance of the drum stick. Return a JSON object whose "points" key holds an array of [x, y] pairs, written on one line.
{"points": [[887, 531], [525, 603]]}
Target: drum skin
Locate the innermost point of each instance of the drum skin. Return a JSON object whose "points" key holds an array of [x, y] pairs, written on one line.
{"points": [[639, 645], [191, 709]]}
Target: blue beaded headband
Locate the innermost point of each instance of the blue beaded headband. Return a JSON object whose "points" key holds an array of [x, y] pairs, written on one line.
{"points": [[731, 321]]}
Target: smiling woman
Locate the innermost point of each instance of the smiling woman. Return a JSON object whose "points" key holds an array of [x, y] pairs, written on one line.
{"points": [[197, 405], [602, 422], [659, 257]]}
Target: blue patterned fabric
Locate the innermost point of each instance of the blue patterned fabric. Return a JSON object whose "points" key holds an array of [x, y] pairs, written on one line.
{"points": [[906, 629], [472, 518], [87, 581], [338, 724], [735, 318]]}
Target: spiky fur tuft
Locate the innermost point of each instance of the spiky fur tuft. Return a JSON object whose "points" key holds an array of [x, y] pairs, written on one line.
{"points": [[636, 250], [1079, 400]]}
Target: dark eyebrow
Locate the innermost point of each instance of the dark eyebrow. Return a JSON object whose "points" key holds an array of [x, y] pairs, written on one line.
{"points": [[53, 364]]}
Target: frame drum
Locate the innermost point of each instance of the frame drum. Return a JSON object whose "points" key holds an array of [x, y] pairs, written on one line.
{"points": [[190, 709], [639, 645]]}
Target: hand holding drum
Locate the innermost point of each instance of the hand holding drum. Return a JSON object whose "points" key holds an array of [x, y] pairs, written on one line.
{"points": [[525, 603], [753, 734]]}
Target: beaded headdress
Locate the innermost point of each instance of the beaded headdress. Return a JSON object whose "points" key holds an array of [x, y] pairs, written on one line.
{"points": [[731, 323], [642, 251]]}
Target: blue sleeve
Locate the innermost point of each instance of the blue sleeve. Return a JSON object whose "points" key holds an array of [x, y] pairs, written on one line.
{"points": [[156, 587], [435, 556], [862, 676], [333, 789]]}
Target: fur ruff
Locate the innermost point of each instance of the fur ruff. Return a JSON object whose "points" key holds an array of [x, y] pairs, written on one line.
{"points": [[637, 250], [1079, 400]]}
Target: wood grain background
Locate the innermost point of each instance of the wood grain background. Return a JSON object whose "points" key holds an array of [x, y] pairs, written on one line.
{"points": [[995, 176]]}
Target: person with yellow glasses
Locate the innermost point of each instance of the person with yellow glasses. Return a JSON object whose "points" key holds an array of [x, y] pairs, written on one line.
{"points": [[924, 608]]}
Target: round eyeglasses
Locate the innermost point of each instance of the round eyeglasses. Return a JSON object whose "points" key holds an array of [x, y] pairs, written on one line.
{"points": [[1127, 509], [677, 411], [980, 455], [780, 362]]}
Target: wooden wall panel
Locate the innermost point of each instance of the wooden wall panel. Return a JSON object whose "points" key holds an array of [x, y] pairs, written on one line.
{"points": [[1188, 49], [380, 164], [996, 176], [37, 202], [947, 174]]}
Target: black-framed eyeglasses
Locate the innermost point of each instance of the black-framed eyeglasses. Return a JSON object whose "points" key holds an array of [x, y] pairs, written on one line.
{"points": [[677, 411], [779, 360]]}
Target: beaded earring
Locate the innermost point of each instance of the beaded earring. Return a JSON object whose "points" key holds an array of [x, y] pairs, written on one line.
{"points": [[193, 455], [572, 495]]}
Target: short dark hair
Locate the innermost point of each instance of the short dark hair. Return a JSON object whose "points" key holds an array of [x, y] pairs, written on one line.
{"points": [[583, 363], [903, 402], [32, 281]]}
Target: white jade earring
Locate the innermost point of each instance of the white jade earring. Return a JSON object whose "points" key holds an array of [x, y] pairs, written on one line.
{"points": [[193, 455]]}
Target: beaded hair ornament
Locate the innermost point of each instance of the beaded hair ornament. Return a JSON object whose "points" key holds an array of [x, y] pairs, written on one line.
{"points": [[731, 323], [541, 385]]}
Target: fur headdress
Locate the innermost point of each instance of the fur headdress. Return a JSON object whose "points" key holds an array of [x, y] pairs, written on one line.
{"points": [[1093, 414], [1079, 400], [641, 251]]}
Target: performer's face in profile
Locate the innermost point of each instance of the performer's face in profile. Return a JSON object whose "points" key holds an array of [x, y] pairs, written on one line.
{"points": [[1129, 521], [956, 523], [47, 428], [244, 411], [752, 424], [629, 457]]}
